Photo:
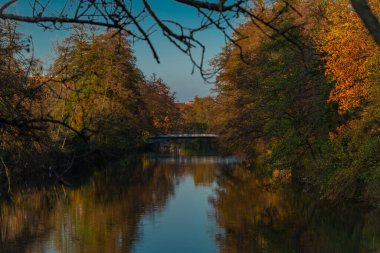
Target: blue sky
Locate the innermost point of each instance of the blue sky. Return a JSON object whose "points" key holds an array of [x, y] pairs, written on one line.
{"points": [[175, 68]]}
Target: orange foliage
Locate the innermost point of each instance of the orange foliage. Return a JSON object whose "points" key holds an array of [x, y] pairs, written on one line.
{"points": [[349, 50]]}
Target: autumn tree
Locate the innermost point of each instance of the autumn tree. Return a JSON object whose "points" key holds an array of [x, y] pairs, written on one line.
{"points": [[352, 62], [97, 87], [273, 97], [197, 117], [101, 93], [315, 110], [24, 120], [350, 55], [160, 105]]}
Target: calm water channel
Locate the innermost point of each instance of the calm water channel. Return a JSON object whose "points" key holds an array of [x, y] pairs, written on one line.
{"points": [[180, 203]]}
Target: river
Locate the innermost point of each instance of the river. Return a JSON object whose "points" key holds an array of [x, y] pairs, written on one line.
{"points": [[157, 203]]}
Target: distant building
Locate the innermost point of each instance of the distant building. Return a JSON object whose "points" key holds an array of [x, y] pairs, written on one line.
{"points": [[184, 105]]}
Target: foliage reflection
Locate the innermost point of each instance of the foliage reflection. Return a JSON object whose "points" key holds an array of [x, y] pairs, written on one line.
{"points": [[256, 219], [103, 214]]}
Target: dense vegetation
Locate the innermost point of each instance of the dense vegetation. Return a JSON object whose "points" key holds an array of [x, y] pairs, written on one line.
{"points": [[94, 99], [309, 105]]}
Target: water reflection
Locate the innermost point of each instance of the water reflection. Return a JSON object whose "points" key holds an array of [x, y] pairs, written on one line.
{"points": [[108, 212], [165, 203], [257, 220], [201, 160], [100, 216]]}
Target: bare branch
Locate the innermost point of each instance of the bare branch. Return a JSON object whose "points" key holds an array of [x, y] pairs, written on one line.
{"points": [[220, 7], [6, 5]]}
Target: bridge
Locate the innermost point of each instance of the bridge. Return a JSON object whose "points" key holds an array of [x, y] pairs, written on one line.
{"points": [[168, 137]]}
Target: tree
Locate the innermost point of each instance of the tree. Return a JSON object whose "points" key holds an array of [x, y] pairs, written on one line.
{"points": [[350, 55], [197, 117], [273, 98], [97, 87], [24, 120], [273, 102], [160, 105], [20, 95], [352, 65]]}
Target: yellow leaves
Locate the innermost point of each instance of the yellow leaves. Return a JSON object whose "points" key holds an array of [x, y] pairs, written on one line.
{"points": [[349, 50], [342, 130]]}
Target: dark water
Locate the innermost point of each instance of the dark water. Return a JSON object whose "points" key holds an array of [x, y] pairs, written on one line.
{"points": [[165, 203]]}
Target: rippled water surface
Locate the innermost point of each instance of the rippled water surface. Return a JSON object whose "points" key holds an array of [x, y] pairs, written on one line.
{"points": [[171, 203]]}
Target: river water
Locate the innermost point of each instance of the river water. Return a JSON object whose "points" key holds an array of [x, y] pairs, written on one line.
{"points": [[183, 203]]}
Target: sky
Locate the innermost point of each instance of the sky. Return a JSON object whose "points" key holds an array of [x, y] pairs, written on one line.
{"points": [[175, 67]]}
